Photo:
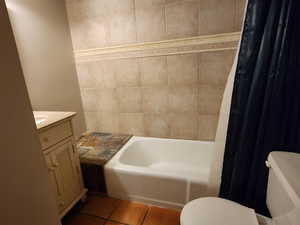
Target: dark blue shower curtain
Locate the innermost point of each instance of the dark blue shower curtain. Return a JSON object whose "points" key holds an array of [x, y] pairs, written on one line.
{"points": [[265, 110]]}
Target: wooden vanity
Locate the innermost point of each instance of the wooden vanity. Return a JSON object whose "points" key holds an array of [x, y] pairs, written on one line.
{"points": [[57, 140]]}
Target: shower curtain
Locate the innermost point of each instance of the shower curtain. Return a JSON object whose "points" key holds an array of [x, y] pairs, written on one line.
{"points": [[265, 108]]}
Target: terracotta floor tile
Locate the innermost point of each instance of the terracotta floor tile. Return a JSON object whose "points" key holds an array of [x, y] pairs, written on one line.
{"points": [[161, 216], [112, 223], [131, 213], [81, 219], [100, 206]]}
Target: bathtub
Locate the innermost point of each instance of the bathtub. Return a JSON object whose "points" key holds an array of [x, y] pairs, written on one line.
{"points": [[163, 172]]}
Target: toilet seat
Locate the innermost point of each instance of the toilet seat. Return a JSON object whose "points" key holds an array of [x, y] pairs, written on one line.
{"points": [[216, 211]]}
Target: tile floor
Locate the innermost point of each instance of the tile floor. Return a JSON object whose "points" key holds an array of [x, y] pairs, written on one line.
{"points": [[101, 210]]}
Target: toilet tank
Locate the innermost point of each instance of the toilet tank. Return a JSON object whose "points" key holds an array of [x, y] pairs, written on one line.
{"points": [[283, 193]]}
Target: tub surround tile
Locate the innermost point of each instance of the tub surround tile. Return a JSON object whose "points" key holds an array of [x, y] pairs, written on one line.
{"points": [[95, 33], [92, 121], [95, 206], [153, 71], [183, 99], [188, 86], [155, 100], [210, 99], [130, 99], [132, 123], [182, 19], [108, 122], [158, 216], [239, 13], [131, 21], [122, 28], [156, 125], [137, 91], [89, 99], [108, 100], [183, 70], [127, 73], [183, 125], [216, 17], [146, 4], [131, 213], [150, 23], [103, 73], [207, 127], [214, 67], [85, 79]]}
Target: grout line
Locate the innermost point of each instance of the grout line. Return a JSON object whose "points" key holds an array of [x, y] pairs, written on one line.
{"points": [[135, 21], [146, 214], [103, 218]]}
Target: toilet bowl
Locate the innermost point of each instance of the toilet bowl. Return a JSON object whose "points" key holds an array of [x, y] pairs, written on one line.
{"points": [[283, 199]]}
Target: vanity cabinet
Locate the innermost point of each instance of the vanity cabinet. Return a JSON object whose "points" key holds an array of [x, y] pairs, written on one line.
{"points": [[63, 164]]}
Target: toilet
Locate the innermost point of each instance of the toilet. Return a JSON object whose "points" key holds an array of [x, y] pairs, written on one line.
{"points": [[283, 199]]}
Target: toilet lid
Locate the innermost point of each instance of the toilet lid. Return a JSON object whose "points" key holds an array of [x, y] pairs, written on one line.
{"points": [[216, 211]]}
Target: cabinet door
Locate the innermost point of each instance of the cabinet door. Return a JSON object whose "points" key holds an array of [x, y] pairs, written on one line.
{"points": [[63, 158], [54, 179]]}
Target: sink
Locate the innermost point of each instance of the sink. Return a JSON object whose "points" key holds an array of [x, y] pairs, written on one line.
{"points": [[39, 119]]}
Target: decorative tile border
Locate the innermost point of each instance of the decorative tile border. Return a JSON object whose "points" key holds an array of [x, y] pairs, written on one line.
{"points": [[206, 43]]}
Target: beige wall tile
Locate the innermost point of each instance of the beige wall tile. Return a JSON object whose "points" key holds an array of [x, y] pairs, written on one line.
{"points": [[240, 6], [156, 125], [216, 16], [182, 19], [132, 123], [108, 100], [108, 122], [127, 73], [150, 24], [146, 4], [207, 127], [92, 122], [183, 69], [153, 71], [214, 67], [85, 79], [130, 99], [183, 99], [89, 99], [95, 33], [122, 28], [104, 73], [155, 100], [210, 99], [150, 20], [89, 26], [183, 125]]}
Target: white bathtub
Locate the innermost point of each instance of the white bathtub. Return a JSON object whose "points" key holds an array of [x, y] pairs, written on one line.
{"points": [[163, 172]]}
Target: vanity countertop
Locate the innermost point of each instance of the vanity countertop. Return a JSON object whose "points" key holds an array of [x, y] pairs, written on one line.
{"points": [[46, 118]]}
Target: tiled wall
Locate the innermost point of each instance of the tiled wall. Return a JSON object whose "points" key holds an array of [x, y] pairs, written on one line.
{"points": [[100, 23], [167, 96], [175, 96]]}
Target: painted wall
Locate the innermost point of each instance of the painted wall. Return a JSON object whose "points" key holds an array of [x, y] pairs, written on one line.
{"points": [[45, 47], [25, 193], [175, 96]]}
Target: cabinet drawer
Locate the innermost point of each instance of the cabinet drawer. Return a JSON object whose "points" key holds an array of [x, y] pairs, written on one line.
{"points": [[55, 134]]}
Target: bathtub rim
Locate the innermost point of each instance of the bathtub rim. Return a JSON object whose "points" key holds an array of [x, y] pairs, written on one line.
{"points": [[115, 164]]}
